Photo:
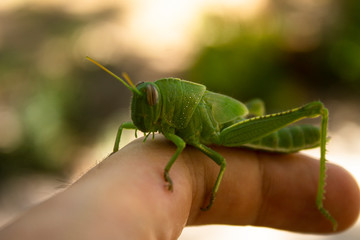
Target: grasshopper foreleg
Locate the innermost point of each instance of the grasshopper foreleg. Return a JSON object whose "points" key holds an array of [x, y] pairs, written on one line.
{"points": [[126, 125]]}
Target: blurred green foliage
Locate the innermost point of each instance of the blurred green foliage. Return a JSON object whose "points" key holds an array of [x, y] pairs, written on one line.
{"points": [[283, 57], [57, 106]]}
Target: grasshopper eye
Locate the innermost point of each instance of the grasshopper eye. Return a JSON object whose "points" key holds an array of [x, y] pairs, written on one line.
{"points": [[152, 95]]}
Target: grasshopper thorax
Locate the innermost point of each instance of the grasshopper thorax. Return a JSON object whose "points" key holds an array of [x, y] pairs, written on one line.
{"points": [[146, 107]]}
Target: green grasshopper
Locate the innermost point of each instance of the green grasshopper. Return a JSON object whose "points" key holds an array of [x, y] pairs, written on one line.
{"points": [[186, 113]]}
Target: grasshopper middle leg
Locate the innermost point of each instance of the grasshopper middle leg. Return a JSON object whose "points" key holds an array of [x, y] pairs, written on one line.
{"points": [[219, 160]]}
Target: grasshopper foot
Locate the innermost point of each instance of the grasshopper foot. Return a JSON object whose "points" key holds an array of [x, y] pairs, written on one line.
{"points": [[212, 198], [168, 181]]}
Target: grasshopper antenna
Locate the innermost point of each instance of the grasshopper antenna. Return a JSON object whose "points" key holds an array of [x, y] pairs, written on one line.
{"points": [[130, 86]]}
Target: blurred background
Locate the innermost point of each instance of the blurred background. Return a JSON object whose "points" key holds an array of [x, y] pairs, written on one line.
{"points": [[59, 113]]}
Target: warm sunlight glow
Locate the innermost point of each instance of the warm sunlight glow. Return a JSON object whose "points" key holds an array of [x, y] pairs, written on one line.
{"points": [[162, 31]]}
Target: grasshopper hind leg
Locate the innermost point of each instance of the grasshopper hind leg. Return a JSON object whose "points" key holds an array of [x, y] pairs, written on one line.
{"points": [[249, 130], [322, 175]]}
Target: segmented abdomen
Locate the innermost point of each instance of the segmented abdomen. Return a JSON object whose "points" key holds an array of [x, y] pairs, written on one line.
{"points": [[289, 139]]}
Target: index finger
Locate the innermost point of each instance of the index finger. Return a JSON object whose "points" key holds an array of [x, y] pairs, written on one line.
{"points": [[279, 191]]}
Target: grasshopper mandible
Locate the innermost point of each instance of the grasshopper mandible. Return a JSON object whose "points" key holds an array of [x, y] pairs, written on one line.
{"points": [[186, 113]]}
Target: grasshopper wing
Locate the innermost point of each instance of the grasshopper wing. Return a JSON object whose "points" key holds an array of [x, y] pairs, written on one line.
{"points": [[225, 109]]}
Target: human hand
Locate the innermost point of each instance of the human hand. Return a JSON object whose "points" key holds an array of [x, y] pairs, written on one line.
{"points": [[125, 196]]}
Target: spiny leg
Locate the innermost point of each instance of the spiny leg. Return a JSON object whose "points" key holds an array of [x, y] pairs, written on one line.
{"points": [[289, 139], [252, 129], [219, 160], [322, 174], [126, 125], [180, 144]]}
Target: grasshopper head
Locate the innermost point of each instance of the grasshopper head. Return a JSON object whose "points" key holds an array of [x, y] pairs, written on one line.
{"points": [[146, 102], [146, 107]]}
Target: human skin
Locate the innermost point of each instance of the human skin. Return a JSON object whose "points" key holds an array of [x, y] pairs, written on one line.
{"points": [[125, 196]]}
